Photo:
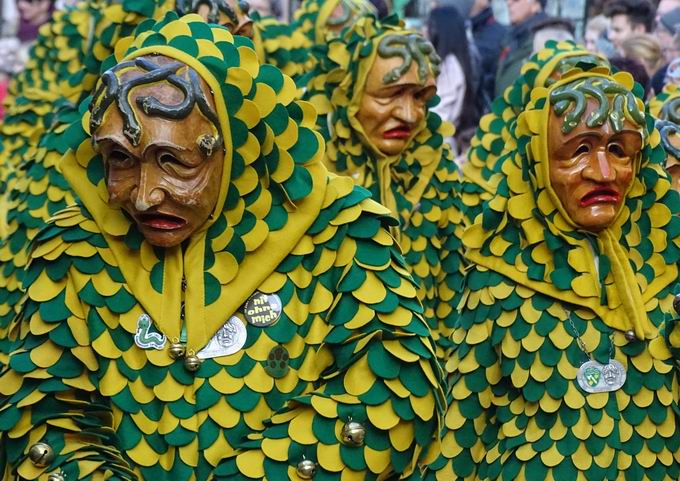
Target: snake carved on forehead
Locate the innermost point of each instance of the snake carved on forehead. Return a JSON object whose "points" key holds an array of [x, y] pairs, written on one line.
{"points": [[409, 47]]}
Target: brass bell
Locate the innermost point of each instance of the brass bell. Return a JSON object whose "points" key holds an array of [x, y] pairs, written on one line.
{"points": [[176, 350], [629, 335], [41, 454], [192, 363], [60, 476], [353, 434], [676, 303], [306, 469]]}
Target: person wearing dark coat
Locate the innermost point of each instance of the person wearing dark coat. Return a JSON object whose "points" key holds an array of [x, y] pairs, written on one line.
{"points": [[518, 45], [488, 37]]}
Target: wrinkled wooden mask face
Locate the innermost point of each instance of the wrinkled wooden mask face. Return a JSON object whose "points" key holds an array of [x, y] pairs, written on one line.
{"points": [[394, 100], [161, 147], [592, 168]]}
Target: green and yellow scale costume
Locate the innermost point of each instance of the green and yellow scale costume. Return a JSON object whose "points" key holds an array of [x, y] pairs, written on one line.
{"points": [[315, 20], [536, 285], [350, 327], [665, 107], [420, 186], [492, 142], [62, 70]]}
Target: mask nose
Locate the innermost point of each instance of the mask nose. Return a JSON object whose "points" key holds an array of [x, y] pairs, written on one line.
{"points": [[147, 194], [599, 168], [407, 111]]}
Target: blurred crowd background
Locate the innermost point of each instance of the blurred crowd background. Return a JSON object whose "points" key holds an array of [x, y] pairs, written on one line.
{"points": [[483, 43]]}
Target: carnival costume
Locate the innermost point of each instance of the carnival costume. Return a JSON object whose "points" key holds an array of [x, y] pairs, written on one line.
{"points": [[559, 370], [420, 184], [324, 366], [665, 109], [62, 70], [321, 20], [492, 141]]}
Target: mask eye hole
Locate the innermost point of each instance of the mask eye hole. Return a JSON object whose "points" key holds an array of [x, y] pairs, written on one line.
{"points": [[118, 158], [166, 158], [582, 149], [617, 150]]}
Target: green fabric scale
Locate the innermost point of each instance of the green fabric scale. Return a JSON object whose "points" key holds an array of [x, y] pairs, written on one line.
{"points": [[351, 324], [431, 228], [281, 45]]}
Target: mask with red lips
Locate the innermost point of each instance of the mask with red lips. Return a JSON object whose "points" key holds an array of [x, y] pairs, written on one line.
{"points": [[592, 168], [162, 153], [398, 87]]}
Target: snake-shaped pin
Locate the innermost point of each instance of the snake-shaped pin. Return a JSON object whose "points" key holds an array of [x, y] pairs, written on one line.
{"points": [[145, 337]]}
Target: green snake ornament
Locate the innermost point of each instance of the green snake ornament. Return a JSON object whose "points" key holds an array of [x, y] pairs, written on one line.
{"points": [[670, 111], [600, 89], [409, 47], [667, 129]]}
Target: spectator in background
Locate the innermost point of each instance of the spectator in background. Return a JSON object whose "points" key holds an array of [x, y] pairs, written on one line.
{"points": [[596, 28], [628, 17], [263, 7], [9, 45], [645, 49], [455, 84], [519, 42], [664, 7], [636, 69], [595, 37], [666, 31], [488, 37], [33, 14], [552, 28]]}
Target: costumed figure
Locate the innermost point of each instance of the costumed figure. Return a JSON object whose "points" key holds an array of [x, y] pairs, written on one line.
{"points": [[322, 20], [492, 142], [62, 70], [373, 90], [217, 305], [560, 371], [665, 108]]}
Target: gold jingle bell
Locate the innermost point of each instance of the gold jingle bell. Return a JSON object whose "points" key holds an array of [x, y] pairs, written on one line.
{"points": [[306, 469], [192, 363], [353, 434], [176, 350], [41, 454], [57, 477]]}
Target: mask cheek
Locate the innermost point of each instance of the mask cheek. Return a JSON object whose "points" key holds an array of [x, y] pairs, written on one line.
{"points": [[119, 190], [625, 176]]}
